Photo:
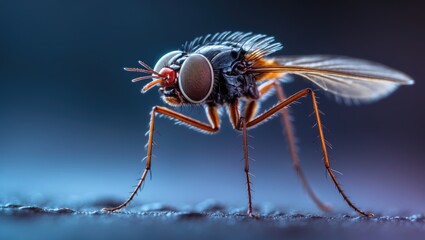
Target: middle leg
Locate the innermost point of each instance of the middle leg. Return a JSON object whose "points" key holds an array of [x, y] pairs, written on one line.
{"points": [[251, 110], [239, 123], [242, 123], [269, 113]]}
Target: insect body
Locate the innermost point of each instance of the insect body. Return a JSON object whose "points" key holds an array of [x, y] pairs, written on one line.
{"points": [[233, 71]]}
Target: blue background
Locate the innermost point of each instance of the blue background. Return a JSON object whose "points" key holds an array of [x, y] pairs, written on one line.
{"points": [[72, 124]]}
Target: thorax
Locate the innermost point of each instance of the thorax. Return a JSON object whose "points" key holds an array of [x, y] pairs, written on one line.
{"points": [[230, 83]]}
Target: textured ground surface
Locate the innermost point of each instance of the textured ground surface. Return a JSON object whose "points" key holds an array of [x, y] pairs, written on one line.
{"points": [[204, 221]]}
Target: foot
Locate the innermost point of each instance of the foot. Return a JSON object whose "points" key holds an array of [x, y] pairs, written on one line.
{"points": [[255, 216], [111, 210]]}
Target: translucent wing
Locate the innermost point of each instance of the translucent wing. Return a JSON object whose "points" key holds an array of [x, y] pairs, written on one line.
{"points": [[346, 77]]}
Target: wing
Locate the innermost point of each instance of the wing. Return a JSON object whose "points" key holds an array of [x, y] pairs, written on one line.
{"points": [[346, 77]]}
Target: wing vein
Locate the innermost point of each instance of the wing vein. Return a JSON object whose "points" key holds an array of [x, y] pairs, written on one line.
{"points": [[349, 78]]}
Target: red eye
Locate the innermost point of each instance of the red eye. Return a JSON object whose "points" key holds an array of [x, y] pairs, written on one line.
{"points": [[170, 77]]}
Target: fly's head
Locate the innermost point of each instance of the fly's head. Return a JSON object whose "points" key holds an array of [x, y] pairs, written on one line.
{"points": [[182, 78]]}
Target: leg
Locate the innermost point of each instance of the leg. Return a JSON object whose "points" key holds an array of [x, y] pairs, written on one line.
{"points": [[251, 111], [251, 107], [285, 103], [214, 126], [242, 123], [286, 122]]}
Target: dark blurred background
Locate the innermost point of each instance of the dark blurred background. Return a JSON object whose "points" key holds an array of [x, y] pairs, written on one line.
{"points": [[72, 124]]}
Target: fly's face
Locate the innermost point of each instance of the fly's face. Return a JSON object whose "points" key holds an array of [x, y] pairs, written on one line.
{"points": [[167, 67], [183, 78]]}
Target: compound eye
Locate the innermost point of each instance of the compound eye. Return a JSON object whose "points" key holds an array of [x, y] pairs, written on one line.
{"points": [[164, 60], [196, 79]]}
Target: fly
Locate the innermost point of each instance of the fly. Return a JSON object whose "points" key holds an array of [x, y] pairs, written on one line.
{"points": [[233, 70]]}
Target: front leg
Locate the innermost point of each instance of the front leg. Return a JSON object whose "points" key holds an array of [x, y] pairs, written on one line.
{"points": [[213, 127]]}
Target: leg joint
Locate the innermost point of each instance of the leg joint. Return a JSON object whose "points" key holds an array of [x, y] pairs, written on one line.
{"points": [[239, 124]]}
